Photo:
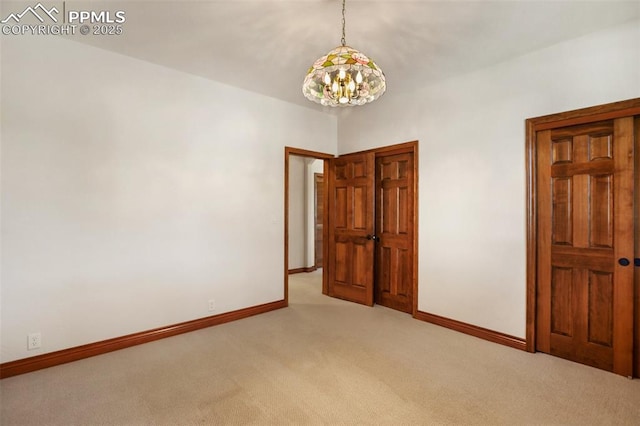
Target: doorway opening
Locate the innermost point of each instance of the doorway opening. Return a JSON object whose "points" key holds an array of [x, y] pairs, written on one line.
{"points": [[369, 226], [302, 201]]}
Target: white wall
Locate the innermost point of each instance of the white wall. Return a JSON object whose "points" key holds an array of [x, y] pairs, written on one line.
{"points": [[297, 212], [132, 194], [472, 169], [301, 210]]}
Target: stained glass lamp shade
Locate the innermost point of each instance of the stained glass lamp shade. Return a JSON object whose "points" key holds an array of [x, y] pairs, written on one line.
{"points": [[344, 77]]}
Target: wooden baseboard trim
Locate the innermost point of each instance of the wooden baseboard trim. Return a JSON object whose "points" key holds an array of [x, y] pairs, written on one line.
{"points": [[27, 365], [299, 270], [473, 330]]}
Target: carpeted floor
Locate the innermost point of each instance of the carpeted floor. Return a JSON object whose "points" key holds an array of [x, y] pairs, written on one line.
{"points": [[320, 361]]}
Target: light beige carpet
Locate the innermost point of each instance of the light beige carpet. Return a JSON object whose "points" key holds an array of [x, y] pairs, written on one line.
{"points": [[320, 361]]}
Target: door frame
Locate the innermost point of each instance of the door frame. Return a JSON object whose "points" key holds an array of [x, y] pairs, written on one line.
{"points": [[401, 148], [288, 151], [609, 111], [315, 217]]}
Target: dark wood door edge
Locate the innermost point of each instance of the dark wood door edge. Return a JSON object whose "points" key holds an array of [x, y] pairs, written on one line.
{"points": [[27, 365], [637, 247]]}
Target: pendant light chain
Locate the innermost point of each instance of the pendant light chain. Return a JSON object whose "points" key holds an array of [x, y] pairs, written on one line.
{"points": [[344, 43]]}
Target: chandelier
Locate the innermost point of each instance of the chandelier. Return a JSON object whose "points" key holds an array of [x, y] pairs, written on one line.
{"points": [[344, 77]]}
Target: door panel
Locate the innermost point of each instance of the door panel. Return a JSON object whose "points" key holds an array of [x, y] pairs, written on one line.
{"points": [[585, 224], [351, 219], [394, 227], [561, 293]]}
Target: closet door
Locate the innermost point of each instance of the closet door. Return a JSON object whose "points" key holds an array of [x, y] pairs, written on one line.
{"points": [[585, 243], [395, 231], [351, 226]]}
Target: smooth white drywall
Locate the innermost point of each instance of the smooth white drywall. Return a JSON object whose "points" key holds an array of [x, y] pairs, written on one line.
{"points": [[472, 164], [297, 212], [132, 194], [302, 210]]}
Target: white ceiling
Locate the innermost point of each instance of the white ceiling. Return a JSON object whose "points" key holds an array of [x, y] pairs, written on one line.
{"points": [[266, 46]]}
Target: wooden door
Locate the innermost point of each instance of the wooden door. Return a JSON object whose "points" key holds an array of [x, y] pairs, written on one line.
{"points": [[394, 230], [585, 231], [636, 260], [318, 218], [350, 220]]}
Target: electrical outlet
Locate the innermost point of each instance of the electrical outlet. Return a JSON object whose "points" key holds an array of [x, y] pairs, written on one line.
{"points": [[34, 341], [212, 305]]}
